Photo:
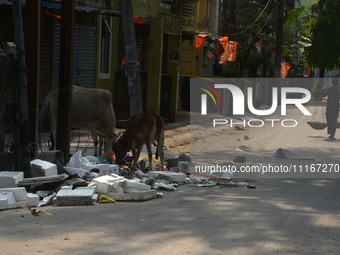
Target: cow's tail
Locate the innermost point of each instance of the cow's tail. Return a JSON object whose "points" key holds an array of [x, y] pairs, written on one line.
{"points": [[44, 117]]}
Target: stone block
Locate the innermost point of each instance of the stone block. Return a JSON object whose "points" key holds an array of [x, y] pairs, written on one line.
{"points": [[78, 196]]}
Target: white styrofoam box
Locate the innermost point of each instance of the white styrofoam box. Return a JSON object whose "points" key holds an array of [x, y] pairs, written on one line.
{"points": [[105, 169], [20, 193], [43, 168], [75, 170], [108, 183], [3, 203], [10, 179], [32, 199], [176, 177], [134, 186], [9, 198]]}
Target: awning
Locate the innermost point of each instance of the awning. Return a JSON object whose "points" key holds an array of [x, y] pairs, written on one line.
{"points": [[81, 9], [78, 8]]}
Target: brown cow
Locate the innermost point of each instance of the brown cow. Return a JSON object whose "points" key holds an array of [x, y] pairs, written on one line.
{"points": [[144, 128], [91, 109]]}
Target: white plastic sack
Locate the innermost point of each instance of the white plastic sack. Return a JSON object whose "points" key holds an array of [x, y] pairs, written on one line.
{"points": [[77, 160]]}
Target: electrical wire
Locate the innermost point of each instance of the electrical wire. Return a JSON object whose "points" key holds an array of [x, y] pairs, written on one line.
{"points": [[250, 26], [266, 21]]}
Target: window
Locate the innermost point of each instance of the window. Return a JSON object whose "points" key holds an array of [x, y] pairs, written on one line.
{"points": [[105, 47]]}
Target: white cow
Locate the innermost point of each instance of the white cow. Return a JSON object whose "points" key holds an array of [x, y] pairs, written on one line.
{"points": [[91, 109]]}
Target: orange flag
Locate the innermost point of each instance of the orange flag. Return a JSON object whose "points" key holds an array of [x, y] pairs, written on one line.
{"points": [[284, 69], [138, 20], [200, 41]]}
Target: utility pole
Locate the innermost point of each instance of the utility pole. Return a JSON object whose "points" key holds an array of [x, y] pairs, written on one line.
{"points": [[21, 80], [279, 38], [132, 63], [33, 65], [65, 77]]}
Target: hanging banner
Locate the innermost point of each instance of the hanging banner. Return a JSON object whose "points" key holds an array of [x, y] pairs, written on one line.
{"points": [[232, 50], [229, 53], [258, 48], [284, 69]]}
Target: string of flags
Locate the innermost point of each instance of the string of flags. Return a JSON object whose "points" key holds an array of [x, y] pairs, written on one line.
{"points": [[221, 47]]}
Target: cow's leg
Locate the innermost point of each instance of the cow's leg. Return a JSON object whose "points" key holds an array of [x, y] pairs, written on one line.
{"points": [[148, 147], [135, 158], [139, 149], [95, 142], [100, 145]]}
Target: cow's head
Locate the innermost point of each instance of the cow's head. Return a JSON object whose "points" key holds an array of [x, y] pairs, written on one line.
{"points": [[111, 144], [120, 153], [107, 141]]}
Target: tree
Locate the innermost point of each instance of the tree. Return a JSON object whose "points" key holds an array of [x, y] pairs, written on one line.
{"points": [[325, 36]]}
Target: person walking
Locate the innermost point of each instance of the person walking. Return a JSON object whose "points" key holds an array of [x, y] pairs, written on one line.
{"points": [[332, 107]]}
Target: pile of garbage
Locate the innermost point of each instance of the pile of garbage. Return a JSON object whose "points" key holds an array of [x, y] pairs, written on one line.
{"points": [[87, 180]]}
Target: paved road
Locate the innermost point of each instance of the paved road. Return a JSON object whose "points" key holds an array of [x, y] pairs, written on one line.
{"points": [[280, 216]]}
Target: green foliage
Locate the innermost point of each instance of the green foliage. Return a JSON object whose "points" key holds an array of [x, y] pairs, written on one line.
{"points": [[325, 36]]}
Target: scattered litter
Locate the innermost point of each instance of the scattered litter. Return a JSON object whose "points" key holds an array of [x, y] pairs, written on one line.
{"points": [[133, 196], [159, 195], [174, 162], [183, 166], [82, 165], [240, 159], [251, 187], [66, 238], [174, 177], [42, 180], [163, 186], [134, 186], [227, 175], [75, 181], [234, 184], [285, 154], [239, 128], [48, 199], [106, 199], [209, 184], [34, 212]]}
